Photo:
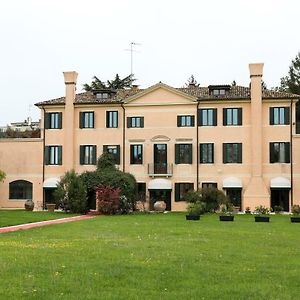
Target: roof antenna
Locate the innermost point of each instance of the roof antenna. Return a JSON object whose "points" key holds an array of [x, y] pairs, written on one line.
{"points": [[132, 44]]}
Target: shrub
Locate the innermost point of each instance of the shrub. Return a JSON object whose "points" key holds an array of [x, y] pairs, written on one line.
{"points": [[2, 176], [262, 210], [278, 209], [296, 210], [108, 199], [197, 208], [71, 193]]}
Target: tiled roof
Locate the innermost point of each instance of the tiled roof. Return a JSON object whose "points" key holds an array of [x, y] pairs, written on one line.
{"points": [[202, 93]]}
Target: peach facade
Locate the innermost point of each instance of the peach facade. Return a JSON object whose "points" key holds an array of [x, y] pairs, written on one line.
{"points": [[251, 178]]}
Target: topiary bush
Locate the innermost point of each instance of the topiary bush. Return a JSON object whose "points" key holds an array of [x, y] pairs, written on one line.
{"points": [[108, 199]]}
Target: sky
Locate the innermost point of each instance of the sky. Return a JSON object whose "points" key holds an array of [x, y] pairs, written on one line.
{"points": [[214, 40]]}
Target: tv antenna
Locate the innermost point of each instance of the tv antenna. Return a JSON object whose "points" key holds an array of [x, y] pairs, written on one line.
{"points": [[132, 44]]}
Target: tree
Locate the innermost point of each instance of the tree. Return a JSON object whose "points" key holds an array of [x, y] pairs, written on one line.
{"points": [[114, 84], [71, 193], [2, 176], [192, 81]]}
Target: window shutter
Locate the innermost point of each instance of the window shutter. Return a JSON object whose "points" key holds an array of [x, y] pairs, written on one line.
{"points": [[93, 119], [177, 192], [47, 149], [190, 153], [107, 119], [224, 116], [192, 121], [178, 121], [271, 115], [81, 119], [240, 116], [142, 122], [81, 151], [272, 156], [200, 153], [200, 117], [94, 155], [240, 153], [59, 155], [117, 121], [131, 153], [128, 122], [177, 154], [59, 120], [215, 116], [212, 153], [118, 155], [224, 153], [286, 115], [47, 120], [287, 152]]}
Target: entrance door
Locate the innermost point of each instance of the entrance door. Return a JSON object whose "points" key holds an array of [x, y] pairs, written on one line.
{"points": [[157, 195], [280, 197], [160, 159], [49, 197], [235, 197]]}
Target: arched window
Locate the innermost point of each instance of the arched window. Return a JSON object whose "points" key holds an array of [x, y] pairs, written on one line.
{"points": [[20, 189]]}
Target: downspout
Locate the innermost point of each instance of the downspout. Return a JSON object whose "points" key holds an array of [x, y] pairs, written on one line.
{"points": [[197, 141], [291, 152], [123, 137], [44, 143]]}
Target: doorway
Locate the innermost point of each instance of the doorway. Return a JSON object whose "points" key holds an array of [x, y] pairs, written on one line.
{"points": [[235, 197], [160, 158], [280, 197], [49, 196], [157, 195]]}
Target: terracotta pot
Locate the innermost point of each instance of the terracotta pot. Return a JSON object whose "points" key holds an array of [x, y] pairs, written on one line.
{"points": [[160, 206]]}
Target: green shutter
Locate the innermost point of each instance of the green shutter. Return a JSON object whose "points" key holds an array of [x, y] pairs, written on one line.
{"points": [[190, 153], [215, 117], [177, 192], [59, 155], [271, 115], [200, 153], [272, 156], [142, 122], [286, 115], [46, 153], [199, 117], [118, 155], [192, 121], [59, 120], [81, 119], [178, 121], [93, 123], [81, 153], [287, 152], [224, 116], [128, 122], [47, 121], [213, 153], [224, 153], [94, 155], [240, 153], [177, 159], [131, 153], [240, 116], [107, 119]]}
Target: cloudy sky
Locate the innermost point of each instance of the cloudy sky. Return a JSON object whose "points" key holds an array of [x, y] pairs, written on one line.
{"points": [[214, 40]]}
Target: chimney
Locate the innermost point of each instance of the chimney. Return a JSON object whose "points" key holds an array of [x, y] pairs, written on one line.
{"points": [[70, 79]]}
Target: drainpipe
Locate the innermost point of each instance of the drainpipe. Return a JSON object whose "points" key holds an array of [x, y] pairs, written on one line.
{"points": [[197, 147], [123, 136], [291, 152], [44, 143]]}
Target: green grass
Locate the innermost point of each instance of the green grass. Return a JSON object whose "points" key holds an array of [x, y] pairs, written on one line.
{"points": [[159, 256], [15, 217]]}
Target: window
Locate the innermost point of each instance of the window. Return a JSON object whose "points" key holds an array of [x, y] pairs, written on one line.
{"points": [[102, 95], [207, 117], [53, 120], [279, 115], [280, 152], [88, 154], [185, 121], [86, 119], [114, 151], [111, 119], [53, 155], [135, 122], [141, 191], [207, 153], [136, 154], [232, 116], [209, 185], [181, 190], [220, 92], [20, 189], [232, 153], [183, 153]]}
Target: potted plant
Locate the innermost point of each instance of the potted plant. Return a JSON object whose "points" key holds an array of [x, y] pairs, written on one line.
{"points": [[262, 213], [29, 205], [195, 210], [278, 209], [226, 212], [296, 214], [248, 210]]}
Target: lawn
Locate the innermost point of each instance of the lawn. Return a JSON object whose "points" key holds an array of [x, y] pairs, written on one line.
{"points": [[15, 217], [159, 256]]}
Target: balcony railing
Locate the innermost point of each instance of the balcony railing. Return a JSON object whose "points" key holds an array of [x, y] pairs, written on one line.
{"points": [[161, 169]]}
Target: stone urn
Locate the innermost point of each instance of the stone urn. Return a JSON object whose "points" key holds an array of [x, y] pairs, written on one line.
{"points": [[50, 206], [29, 205], [160, 206]]}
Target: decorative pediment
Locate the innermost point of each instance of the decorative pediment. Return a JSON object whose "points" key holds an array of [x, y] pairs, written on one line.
{"points": [[160, 138]]}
